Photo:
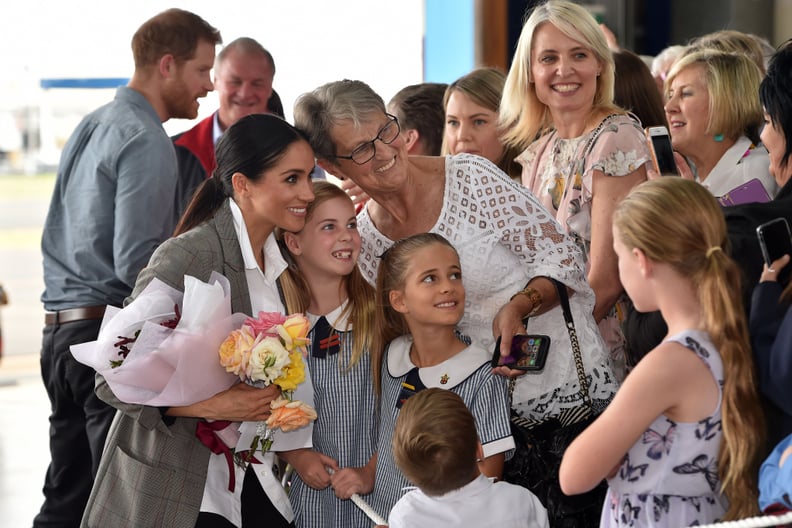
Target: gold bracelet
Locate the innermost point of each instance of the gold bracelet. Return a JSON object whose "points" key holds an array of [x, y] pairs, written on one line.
{"points": [[534, 296]]}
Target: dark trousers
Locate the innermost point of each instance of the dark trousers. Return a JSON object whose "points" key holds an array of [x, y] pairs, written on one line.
{"points": [[79, 422], [257, 509]]}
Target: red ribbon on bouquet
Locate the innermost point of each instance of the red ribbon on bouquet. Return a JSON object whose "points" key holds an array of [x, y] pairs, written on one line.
{"points": [[207, 434]]}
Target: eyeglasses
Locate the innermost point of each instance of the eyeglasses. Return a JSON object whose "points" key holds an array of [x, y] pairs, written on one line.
{"points": [[365, 152]]}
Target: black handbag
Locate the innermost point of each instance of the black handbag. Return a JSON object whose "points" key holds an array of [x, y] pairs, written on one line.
{"points": [[540, 446]]}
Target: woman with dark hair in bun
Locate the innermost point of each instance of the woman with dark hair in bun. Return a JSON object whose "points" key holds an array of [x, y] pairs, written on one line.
{"points": [[154, 470]]}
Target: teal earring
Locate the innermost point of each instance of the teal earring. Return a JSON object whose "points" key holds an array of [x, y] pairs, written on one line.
{"points": [[718, 137]]}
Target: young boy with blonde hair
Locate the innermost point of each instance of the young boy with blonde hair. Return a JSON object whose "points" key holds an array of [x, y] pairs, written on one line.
{"points": [[436, 446]]}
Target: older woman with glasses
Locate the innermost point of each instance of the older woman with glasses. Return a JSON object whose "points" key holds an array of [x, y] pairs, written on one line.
{"points": [[510, 247]]}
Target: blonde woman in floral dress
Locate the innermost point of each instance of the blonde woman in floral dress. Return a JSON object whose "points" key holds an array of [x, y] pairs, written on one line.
{"points": [[589, 153]]}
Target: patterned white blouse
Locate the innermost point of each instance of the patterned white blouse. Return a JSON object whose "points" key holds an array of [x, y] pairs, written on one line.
{"points": [[560, 172]]}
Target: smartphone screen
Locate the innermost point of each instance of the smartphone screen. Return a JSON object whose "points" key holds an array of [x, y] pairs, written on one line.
{"points": [[527, 352], [774, 239], [662, 150]]}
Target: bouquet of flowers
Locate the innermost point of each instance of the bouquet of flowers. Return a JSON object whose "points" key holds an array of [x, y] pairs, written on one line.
{"points": [[265, 351], [161, 349]]}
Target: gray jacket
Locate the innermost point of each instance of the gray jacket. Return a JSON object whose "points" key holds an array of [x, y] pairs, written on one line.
{"points": [[153, 470]]}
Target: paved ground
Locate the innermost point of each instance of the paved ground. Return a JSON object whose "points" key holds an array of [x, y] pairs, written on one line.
{"points": [[24, 407], [24, 439]]}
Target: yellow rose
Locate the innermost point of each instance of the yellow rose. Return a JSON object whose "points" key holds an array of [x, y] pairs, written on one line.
{"points": [[294, 330], [290, 415], [235, 351], [293, 374], [267, 361]]}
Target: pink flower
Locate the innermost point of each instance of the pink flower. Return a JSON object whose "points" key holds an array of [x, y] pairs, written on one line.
{"points": [[265, 322]]}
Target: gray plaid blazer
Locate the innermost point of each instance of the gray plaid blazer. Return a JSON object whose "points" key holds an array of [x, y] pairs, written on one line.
{"points": [[152, 471]]}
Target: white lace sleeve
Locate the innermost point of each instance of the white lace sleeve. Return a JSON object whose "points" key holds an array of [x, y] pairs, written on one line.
{"points": [[504, 238], [521, 223]]}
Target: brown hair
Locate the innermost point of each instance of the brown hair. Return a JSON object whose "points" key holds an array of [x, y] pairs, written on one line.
{"points": [[173, 32], [484, 86], [359, 309], [679, 222], [420, 107], [635, 89], [733, 41], [391, 275], [435, 441]]}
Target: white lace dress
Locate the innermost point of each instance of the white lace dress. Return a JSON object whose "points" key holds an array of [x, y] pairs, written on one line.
{"points": [[505, 237]]}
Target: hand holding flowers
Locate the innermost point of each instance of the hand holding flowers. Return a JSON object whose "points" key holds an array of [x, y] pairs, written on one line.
{"points": [[268, 351]]}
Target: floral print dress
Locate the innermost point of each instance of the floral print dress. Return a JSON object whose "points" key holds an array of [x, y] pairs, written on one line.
{"points": [[669, 478], [559, 172]]}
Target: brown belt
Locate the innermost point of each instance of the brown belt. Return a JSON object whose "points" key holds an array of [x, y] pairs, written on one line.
{"points": [[74, 314]]}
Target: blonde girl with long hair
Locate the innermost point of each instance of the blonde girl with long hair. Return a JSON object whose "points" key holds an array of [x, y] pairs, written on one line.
{"points": [[681, 441], [323, 281]]}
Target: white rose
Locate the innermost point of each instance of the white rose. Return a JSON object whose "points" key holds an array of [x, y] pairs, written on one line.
{"points": [[267, 360]]}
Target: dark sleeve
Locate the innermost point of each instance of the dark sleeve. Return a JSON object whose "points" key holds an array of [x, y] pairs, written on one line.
{"points": [[642, 332], [191, 175], [771, 339]]}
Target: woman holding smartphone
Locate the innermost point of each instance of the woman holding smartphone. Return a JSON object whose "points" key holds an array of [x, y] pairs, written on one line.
{"points": [[589, 153], [770, 320]]}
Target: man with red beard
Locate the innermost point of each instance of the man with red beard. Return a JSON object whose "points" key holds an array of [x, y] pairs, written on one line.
{"points": [[112, 205], [244, 71]]}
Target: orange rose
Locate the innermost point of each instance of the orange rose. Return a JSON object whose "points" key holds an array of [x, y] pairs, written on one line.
{"points": [[235, 351], [290, 415]]}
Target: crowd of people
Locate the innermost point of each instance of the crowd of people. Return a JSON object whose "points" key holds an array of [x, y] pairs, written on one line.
{"points": [[500, 204]]}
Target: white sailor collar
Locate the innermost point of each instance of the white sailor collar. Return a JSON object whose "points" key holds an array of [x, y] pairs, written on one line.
{"points": [[445, 375], [337, 319], [275, 263]]}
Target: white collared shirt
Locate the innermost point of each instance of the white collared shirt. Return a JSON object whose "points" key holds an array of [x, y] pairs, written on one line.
{"points": [[264, 297], [480, 503], [216, 130], [742, 162], [263, 285]]}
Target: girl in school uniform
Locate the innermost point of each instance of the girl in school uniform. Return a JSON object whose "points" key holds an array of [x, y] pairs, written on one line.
{"points": [[323, 281], [421, 300]]}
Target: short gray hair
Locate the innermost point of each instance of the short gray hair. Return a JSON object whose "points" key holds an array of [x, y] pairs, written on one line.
{"points": [[317, 112]]}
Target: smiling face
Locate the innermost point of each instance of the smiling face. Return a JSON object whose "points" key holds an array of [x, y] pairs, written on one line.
{"points": [[244, 85], [433, 293], [329, 245], [280, 197], [471, 128], [385, 172], [564, 71], [687, 109], [774, 141], [190, 81]]}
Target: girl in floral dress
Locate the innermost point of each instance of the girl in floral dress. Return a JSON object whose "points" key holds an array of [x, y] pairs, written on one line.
{"points": [[680, 443], [323, 280]]}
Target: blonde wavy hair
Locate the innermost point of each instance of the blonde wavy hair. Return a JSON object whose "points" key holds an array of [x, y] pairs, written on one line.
{"points": [[523, 117]]}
